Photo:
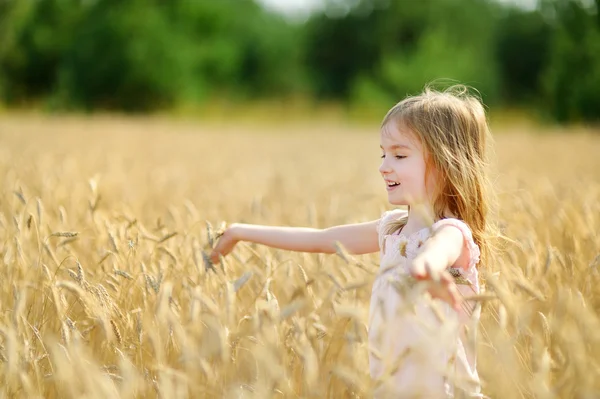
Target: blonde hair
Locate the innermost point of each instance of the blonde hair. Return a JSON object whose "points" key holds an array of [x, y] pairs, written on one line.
{"points": [[452, 128]]}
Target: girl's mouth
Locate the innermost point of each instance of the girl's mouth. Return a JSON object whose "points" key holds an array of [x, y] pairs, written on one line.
{"points": [[392, 186]]}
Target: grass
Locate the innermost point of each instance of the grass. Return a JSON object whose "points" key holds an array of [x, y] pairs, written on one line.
{"points": [[105, 291]]}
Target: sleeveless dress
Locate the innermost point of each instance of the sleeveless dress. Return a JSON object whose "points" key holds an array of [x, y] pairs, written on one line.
{"points": [[421, 347]]}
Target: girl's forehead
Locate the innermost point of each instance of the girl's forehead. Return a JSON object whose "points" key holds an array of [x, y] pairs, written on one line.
{"points": [[398, 134]]}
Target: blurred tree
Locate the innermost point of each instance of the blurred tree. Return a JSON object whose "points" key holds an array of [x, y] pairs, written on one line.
{"points": [[126, 55], [141, 55], [522, 45], [145, 54], [572, 79], [455, 45], [381, 56], [240, 48], [33, 37], [343, 49]]}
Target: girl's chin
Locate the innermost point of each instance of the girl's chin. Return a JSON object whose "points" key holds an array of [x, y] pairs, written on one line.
{"points": [[398, 202]]}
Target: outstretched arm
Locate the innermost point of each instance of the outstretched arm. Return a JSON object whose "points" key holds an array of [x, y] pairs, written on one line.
{"points": [[439, 252], [360, 238], [444, 249]]}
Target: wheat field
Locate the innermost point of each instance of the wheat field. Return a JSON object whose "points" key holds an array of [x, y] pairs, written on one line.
{"points": [[105, 290]]}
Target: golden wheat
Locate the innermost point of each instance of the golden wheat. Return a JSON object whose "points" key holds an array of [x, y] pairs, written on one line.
{"points": [[108, 290]]}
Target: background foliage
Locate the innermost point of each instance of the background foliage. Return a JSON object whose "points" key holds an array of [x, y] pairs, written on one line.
{"points": [[144, 55]]}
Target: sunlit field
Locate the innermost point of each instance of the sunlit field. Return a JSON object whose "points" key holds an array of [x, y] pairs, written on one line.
{"points": [[106, 291]]}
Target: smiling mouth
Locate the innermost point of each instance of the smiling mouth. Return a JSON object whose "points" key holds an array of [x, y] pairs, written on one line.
{"points": [[390, 186]]}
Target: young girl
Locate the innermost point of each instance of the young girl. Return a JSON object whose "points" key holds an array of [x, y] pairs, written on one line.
{"points": [[434, 162]]}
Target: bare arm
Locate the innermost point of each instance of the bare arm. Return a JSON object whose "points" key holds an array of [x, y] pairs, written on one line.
{"points": [[360, 238], [439, 252]]}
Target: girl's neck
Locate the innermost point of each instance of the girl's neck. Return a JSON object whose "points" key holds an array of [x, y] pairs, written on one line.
{"points": [[419, 217]]}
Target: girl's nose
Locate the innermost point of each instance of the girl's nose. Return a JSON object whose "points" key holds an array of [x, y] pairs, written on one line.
{"points": [[384, 167]]}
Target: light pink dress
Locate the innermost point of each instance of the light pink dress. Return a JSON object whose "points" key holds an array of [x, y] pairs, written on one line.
{"points": [[413, 353]]}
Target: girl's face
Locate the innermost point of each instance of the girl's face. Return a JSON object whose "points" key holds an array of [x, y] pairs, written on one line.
{"points": [[403, 167]]}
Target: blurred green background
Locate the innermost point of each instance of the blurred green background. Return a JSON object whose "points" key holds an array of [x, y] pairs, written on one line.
{"points": [[362, 55]]}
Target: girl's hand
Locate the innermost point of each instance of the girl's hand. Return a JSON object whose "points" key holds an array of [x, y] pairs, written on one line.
{"points": [[225, 243], [445, 289], [427, 266]]}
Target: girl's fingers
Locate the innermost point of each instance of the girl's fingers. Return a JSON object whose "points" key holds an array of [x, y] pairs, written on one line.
{"points": [[216, 254], [450, 288], [419, 270], [445, 289]]}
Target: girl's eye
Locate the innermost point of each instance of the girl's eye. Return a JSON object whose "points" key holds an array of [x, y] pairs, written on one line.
{"points": [[400, 156]]}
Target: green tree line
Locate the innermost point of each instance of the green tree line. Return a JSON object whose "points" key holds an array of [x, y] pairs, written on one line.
{"points": [[144, 55]]}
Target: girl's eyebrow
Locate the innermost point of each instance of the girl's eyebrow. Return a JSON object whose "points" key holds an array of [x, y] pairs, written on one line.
{"points": [[397, 146]]}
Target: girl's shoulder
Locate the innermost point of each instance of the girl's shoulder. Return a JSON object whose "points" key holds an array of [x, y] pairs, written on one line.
{"points": [[385, 225], [459, 224], [388, 217]]}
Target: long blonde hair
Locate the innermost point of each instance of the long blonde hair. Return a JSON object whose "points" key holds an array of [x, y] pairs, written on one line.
{"points": [[453, 130]]}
